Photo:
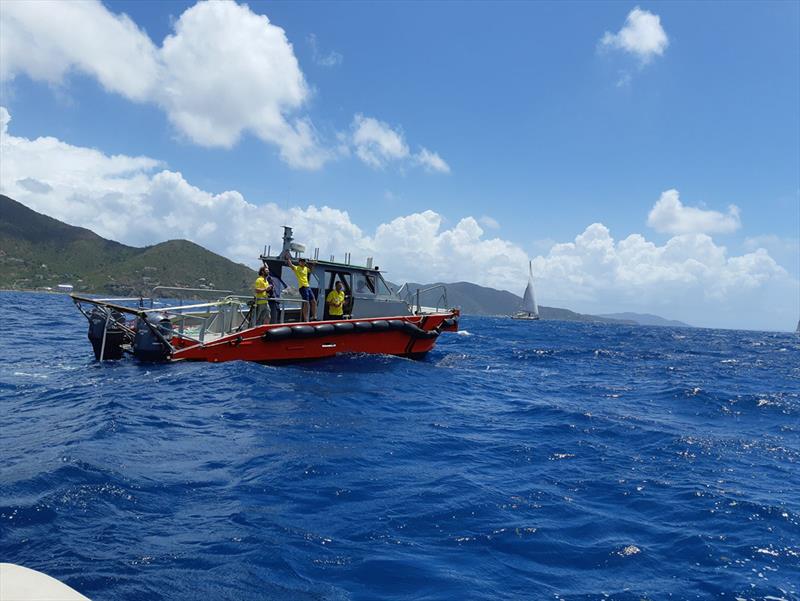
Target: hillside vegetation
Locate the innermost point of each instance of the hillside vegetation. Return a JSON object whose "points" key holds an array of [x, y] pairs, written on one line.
{"points": [[37, 251]]}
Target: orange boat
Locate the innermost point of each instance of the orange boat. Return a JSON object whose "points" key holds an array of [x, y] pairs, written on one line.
{"points": [[376, 320]]}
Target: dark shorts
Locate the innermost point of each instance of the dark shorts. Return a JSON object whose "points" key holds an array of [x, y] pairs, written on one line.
{"points": [[307, 294]]}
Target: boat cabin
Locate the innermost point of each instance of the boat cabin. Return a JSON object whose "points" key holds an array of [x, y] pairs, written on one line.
{"points": [[366, 292]]}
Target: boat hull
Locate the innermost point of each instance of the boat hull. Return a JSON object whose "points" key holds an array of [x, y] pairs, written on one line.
{"points": [[411, 336]]}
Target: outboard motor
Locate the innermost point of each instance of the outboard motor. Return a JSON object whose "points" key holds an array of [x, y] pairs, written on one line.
{"points": [[114, 335], [147, 345]]}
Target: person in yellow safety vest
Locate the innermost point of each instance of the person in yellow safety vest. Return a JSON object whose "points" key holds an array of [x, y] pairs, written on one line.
{"points": [[302, 273], [261, 307], [335, 300]]}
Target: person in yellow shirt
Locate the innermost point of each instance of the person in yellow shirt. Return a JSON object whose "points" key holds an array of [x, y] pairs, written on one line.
{"points": [[335, 301], [262, 287], [302, 273]]}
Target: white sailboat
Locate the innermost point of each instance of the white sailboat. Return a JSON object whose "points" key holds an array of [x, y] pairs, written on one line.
{"points": [[530, 310]]}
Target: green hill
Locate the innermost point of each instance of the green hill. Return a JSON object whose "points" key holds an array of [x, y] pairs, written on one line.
{"points": [[37, 251]]}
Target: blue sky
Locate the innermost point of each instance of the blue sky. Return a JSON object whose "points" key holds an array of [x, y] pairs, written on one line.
{"points": [[544, 130]]}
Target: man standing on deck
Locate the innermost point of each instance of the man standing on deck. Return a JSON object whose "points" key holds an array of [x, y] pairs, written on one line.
{"points": [[262, 286], [302, 272], [335, 301]]}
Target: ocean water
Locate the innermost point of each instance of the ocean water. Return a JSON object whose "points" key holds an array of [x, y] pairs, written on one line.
{"points": [[546, 460]]}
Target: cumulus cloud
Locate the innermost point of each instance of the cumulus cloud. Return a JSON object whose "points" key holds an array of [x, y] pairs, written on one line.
{"points": [[48, 39], [223, 72], [669, 215], [376, 143], [689, 278], [634, 268], [641, 36], [785, 249], [138, 201]]}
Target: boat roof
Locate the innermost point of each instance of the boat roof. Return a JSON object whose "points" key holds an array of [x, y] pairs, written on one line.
{"points": [[323, 262]]}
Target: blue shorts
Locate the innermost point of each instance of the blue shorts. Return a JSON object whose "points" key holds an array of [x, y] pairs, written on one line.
{"points": [[307, 294]]}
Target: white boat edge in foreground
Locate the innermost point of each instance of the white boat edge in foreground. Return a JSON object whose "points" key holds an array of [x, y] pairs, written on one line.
{"points": [[18, 583]]}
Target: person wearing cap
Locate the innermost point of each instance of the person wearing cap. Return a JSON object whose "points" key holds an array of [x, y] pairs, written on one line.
{"points": [[302, 273], [262, 287]]}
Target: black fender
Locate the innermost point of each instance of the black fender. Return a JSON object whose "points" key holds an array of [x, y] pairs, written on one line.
{"points": [[417, 332], [380, 325], [303, 331], [363, 326], [344, 327], [278, 333], [325, 329]]}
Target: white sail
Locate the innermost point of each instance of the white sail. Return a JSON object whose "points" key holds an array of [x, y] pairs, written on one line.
{"points": [[529, 298]]}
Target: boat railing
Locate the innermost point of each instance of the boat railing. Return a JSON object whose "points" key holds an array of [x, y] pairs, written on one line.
{"points": [[414, 299], [196, 322], [153, 294]]}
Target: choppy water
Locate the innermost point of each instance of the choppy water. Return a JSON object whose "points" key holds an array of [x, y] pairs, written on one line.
{"points": [[525, 460]]}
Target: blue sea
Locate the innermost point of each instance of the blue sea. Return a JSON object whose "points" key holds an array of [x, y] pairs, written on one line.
{"points": [[547, 460]]}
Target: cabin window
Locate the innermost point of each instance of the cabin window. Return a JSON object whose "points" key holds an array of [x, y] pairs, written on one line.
{"points": [[365, 284]]}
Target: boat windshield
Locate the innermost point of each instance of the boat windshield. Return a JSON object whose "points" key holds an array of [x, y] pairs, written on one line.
{"points": [[372, 283], [381, 286]]}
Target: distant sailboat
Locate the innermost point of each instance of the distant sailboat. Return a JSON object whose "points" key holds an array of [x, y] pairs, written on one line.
{"points": [[797, 331], [530, 310]]}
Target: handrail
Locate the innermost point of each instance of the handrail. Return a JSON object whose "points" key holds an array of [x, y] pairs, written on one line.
{"points": [[443, 296], [152, 292], [182, 289]]}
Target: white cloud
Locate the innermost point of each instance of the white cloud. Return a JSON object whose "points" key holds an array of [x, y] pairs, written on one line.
{"points": [[671, 216], [227, 70], [331, 59], [137, 201], [376, 143], [431, 161], [642, 36], [48, 39], [689, 278], [785, 250], [223, 72]]}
